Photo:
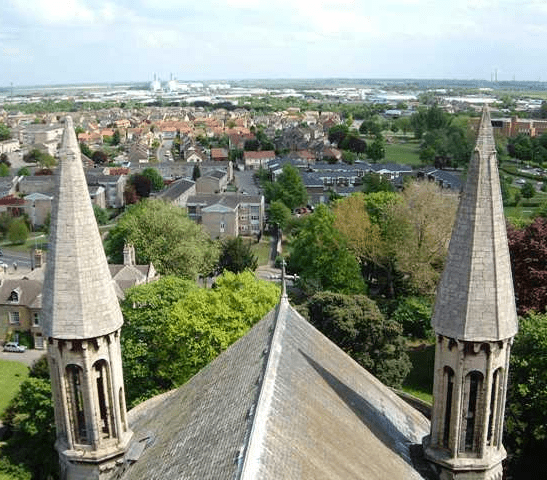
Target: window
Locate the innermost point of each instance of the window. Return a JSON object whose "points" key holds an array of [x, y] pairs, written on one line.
{"points": [[102, 377], [492, 419], [74, 380], [449, 388], [473, 386], [255, 217], [14, 296], [222, 227], [14, 318], [36, 319]]}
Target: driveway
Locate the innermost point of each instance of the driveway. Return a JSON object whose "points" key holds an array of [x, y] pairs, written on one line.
{"points": [[28, 357]]}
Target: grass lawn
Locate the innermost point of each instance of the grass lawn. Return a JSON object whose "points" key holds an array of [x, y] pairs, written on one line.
{"points": [[403, 153], [262, 249], [12, 375], [420, 379]]}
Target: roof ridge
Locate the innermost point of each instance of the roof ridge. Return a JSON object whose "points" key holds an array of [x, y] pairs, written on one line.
{"points": [[248, 469]]}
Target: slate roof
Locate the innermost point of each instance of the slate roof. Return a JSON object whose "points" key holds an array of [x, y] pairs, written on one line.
{"points": [[30, 292], [475, 299], [176, 189], [282, 403]]}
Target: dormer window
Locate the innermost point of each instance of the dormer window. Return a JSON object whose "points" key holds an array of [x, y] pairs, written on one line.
{"points": [[15, 295]]}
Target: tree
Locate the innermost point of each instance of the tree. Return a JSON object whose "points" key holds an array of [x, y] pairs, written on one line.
{"points": [[4, 170], [116, 138], [101, 215], [23, 172], [414, 316], [322, 258], [526, 413], [375, 182], [84, 148], [30, 422], [173, 328], [5, 132], [196, 173], [377, 149], [237, 256], [357, 326], [353, 221], [528, 190], [4, 159], [164, 235], [289, 188], [142, 184], [337, 133], [44, 160], [99, 157], [156, 180], [424, 221], [18, 231], [279, 214], [528, 249]]}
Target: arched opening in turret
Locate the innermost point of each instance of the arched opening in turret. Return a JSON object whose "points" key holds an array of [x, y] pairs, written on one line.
{"points": [[471, 427], [122, 409], [493, 434], [102, 378], [75, 401], [448, 382]]}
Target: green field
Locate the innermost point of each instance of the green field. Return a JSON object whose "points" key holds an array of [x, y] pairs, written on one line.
{"points": [[419, 381], [262, 249], [12, 375], [403, 153]]}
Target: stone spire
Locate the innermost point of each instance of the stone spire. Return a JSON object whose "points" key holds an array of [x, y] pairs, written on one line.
{"points": [[475, 321], [82, 321], [475, 298], [79, 297]]}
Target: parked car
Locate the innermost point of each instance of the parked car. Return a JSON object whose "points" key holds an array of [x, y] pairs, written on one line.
{"points": [[14, 347]]}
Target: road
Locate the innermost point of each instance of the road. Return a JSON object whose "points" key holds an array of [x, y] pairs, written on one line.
{"points": [[28, 357], [10, 257]]}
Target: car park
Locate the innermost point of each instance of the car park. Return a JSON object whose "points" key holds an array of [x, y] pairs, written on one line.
{"points": [[14, 347]]}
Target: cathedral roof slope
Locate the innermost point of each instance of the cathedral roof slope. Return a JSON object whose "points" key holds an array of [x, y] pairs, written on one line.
{"points": [[475, 298], [79, 297], [282, 403]]}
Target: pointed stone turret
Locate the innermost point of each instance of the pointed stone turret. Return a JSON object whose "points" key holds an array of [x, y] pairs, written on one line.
{"points": [[80, 300], [82, 321], [475, 321], [475, 299]]}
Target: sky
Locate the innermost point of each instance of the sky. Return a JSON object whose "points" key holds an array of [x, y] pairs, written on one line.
{"points": [[46, 42]]}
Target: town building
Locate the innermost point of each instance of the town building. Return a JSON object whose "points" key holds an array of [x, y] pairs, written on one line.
{"points": [[283, 402]]}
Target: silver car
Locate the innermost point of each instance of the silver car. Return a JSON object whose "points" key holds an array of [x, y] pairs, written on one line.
{"points": [[14, 347]]}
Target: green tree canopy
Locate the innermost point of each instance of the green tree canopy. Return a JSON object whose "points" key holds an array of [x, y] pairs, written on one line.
{"points": [[5, 132], [279, 214], [356, 325], [156, 180], [526, 414], [173, 328], [23, 171], [42, 159], [4, 170], [101, 215], [29, 451], [288, 187], [18, 231], [321, 256], [164, 235], [237, 256]]}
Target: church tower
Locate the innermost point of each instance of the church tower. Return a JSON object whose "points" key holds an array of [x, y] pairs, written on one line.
{"points": [[474, 321], [82, 321]]}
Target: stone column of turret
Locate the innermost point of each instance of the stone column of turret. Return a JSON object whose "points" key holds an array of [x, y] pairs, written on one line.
{"points": [[82, 321], [475, 322]]}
